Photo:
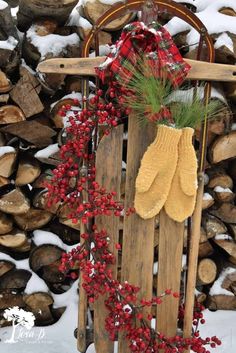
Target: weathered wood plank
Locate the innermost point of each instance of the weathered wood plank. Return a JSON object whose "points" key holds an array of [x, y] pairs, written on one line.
{"points": [[138, 236], [109, 156], [200, 70], [170, 250]]}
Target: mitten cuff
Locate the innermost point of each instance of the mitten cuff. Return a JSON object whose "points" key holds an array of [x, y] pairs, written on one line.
{"points": [[167, 138], [186, 140]]}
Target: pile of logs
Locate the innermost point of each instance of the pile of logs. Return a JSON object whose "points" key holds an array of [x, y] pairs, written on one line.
{"points": [[31, 131]]}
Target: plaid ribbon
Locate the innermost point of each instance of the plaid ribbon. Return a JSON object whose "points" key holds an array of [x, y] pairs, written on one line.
{"points": [[154, 43]]}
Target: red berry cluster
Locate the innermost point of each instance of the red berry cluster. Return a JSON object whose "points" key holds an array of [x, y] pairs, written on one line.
{"points": [[74, 184]]}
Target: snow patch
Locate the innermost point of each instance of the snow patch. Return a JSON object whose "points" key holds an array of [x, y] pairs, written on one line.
{"points": [[3, 5], [48, 151], [6, 149], [207, 197], [224, 40], [223, 237], [216, 289], [8, 44], [52, 43], [220, 189], [35, 284]]}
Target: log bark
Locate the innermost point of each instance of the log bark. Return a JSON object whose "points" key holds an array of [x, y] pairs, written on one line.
{"points": [[15, 280], [205, 249], [228, 246], [219, 178], [6, 223], [6, 266], [221, 302], [33, 219], [44, 255], [226, 213], [213, 226], [8, 300], [39, 304], [36, 9]]}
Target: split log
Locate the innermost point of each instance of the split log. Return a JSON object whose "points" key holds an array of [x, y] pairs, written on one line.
{"points": [[13, 240], [232, 169], [229, 282], [28, 170], [5, 84], [4, 181], [45, 177], [7, 160], [228, 246], [15, 280], [6, 266], [207, 201], [33, 219], [58, 120], [93, 9], [4, 98], [44, 255], [25, 93], [221, 302], [14, 202], [51, 273], [232, 230], [8, 300], [32, 131], [6, 223], [9, 54], [36, 9], [226, 212], [219, 178], [206, 271], [223, 194], [67, 234], [39, 304], [213, 226], [205, 249], [10, 114], [103, 37], [57, 312], [49, 155], [200, 296], [223, 148], [40, 200]]}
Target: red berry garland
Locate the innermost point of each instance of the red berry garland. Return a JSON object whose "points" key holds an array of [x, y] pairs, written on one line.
{"points": [[73, 178]]}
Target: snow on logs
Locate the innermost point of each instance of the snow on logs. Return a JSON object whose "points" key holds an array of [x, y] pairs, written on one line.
{"points": [[33, 235]]}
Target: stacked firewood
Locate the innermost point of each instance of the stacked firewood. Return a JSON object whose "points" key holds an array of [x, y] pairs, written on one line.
{"points": [[33, 234]]}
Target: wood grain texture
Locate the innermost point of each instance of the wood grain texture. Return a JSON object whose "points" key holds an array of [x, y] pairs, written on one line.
{"points": [[138, 236], [109, 156], [200, 70], [171, 238]]}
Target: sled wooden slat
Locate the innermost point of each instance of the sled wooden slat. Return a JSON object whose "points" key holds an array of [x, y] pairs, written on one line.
{"points": [[108, 166], [170, 251], [138, 234], [82, 312], [200, 70]]}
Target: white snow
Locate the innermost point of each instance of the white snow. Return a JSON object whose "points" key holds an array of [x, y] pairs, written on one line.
{"points": [[104, 50], [47, 152], [36, 284], [6, 149], [207, 12], [43, 237], [20, 264], [220, 189], [8, 44], [233, 127], [14, 11], [207, 197], [224, 40], [216, 289], [72, 95], [52, 43], [223, 237], [3, 5]]}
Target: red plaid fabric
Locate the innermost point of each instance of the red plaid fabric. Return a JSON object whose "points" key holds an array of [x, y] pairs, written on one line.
{"points": [[154, 43]]}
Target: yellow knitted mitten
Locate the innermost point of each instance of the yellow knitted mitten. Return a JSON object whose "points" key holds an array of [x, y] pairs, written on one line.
{"points": [[156, 172], [182, 196]]}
